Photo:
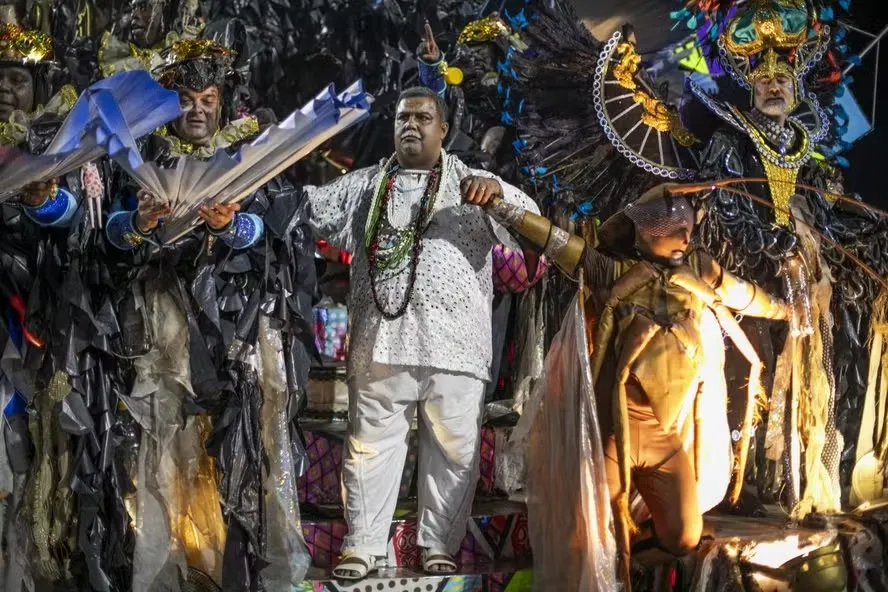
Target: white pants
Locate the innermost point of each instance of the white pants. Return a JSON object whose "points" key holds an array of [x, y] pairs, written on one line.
{"points": [[382, 404]]}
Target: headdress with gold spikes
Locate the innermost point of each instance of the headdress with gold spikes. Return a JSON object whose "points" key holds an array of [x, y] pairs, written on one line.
{"points": [[772, 37], [196, 64], [483, 30], [478, 34], [23, 47]]}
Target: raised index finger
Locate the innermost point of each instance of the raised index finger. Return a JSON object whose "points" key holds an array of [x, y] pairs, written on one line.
{"points": [[429, 35]]}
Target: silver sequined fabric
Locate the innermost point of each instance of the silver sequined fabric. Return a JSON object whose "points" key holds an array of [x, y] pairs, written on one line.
{"points": [[557, 241]]}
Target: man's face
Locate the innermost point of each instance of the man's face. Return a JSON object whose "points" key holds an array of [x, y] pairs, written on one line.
{"points": [[774, 95], [200, 119], [419, 133], [16, 91], [146, 23]]}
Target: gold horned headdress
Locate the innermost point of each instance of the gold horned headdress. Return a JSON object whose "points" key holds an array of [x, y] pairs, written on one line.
{"points": [[770, 38], [24, 47]]}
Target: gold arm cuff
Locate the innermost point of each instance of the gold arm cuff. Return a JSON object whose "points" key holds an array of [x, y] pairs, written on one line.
{"points": [[541, 233]]}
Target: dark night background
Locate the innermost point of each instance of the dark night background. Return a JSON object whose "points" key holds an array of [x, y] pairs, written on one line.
{"points": [[868, 173]]}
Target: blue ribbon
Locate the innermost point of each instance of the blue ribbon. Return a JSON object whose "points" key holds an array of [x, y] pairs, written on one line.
{"points": [[518, 21], [585, 208], [15, 329], [17, 406]]}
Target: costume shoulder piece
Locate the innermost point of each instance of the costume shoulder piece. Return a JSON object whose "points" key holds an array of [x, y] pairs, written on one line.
{"points": [[17, 128], [591, 127], [232, 134], [743, 122], [641, 126], [115, 55]]}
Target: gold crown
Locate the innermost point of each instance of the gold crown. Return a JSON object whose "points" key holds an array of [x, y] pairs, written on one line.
{"points": [[187, 49], [22, 46], [780, 24], [195, 64], [483, 30]]}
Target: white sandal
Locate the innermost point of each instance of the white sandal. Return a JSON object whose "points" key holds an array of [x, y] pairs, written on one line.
{"points": [[354, 567], [438, 562]]}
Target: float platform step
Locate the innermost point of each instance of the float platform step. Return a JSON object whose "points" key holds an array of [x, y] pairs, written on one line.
{"points": [[516, 576], [497, 531]]}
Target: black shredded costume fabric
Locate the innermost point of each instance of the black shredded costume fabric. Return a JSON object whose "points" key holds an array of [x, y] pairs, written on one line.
{"points": [[223, 292]]}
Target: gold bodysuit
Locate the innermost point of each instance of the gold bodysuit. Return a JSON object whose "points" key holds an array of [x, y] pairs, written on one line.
{"points": [[648, 365]]}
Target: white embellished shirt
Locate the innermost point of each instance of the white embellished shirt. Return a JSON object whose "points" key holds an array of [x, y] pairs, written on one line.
{"points": [[447, 323]]}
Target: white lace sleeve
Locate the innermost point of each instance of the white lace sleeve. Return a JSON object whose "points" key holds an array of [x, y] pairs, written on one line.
{"points": [[339, 209]]}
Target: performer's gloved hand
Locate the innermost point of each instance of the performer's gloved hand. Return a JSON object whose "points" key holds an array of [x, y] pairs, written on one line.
{"points": [[35, 194], [151, 210], [480, 190], [218, 216], [428, 50]]}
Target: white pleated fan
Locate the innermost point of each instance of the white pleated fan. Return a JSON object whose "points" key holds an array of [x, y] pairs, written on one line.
{"points": [[230, 178]]}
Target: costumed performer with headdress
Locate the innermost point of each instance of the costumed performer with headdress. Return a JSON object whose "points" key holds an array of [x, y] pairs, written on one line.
{"points": [[656, 305], [420, 337], [582, 154], [224, 332], [52, 339], [72, 503], [773, 235], [468, 82], [143, 32], [469, 87], [591, 132]]}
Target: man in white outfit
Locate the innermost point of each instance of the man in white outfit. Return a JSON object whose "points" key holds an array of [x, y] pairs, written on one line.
{"points": [[420, 336]]}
